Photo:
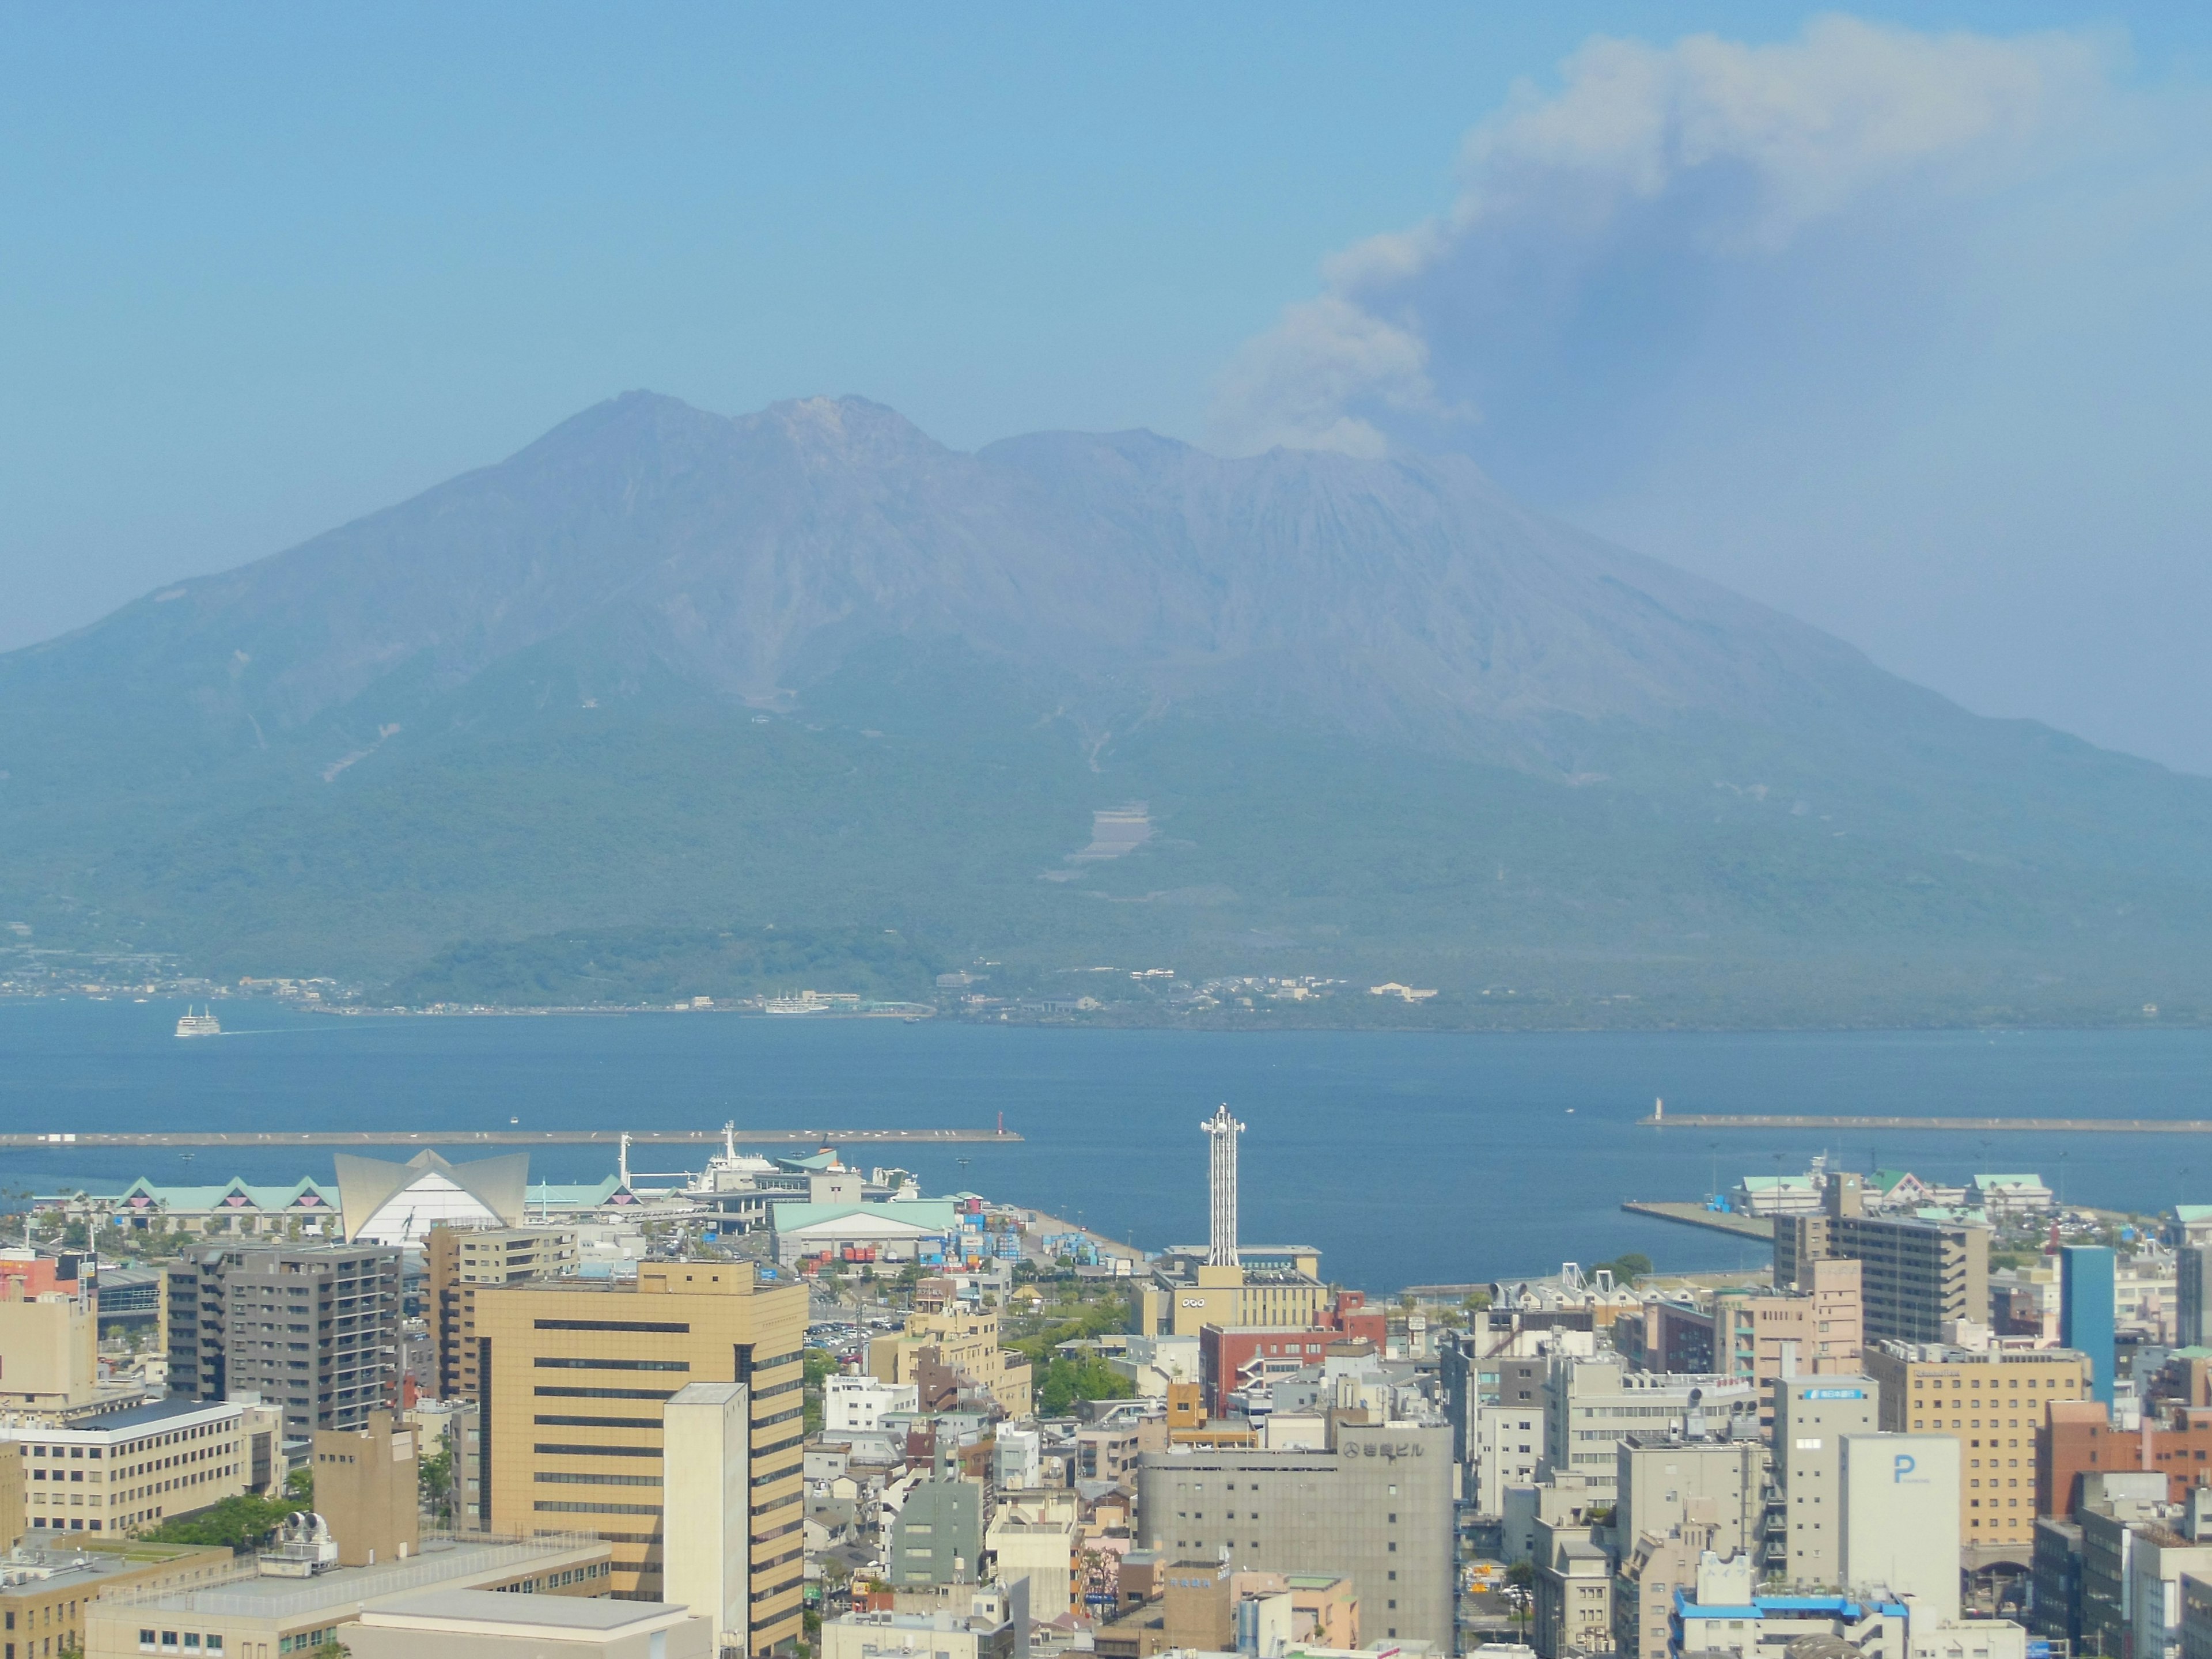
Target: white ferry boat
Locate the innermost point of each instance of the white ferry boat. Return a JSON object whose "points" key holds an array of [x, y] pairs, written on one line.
{"points": [[193, 1025]]}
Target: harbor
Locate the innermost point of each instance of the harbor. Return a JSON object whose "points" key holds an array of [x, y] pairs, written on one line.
{"points": [[2123, 1125], [1757, 1227]]}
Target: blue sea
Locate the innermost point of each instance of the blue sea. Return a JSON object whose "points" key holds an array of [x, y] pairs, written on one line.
{"points": [[1406, 1158]]}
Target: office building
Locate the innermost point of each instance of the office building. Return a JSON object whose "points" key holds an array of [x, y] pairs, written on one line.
{"points": [[1722, 1613], [2166, 1551], [1991, 1402], [2113, 1510], [46, 1588], [463, 1261], [2086, 1317], [312, 1329], [474, 1624], [1901, 1518], [2078, 1440], [1666, 1481], [706, 1474], [120, 1471], [2193, 1265], [1915, 1276], [368, 1490], [576, 1373], [1812, 1415], [272, 1612], [1038, 1550], [1591, 1404], [1376, 1507]]}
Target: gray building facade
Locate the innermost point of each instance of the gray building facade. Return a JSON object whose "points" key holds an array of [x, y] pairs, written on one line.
{"points": [[312, 1329], [937, 1537], [1811, 1414], [1375, 1508]]}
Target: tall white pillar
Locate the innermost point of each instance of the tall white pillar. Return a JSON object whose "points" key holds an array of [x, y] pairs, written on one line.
{"points": [[1222, 1131]]}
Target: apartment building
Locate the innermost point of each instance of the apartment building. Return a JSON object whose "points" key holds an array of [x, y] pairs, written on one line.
{"points": [[1914, 1276], [965, 1340], [312, 1329], [461, 1262], [575, 1376], [1992, 1403]]}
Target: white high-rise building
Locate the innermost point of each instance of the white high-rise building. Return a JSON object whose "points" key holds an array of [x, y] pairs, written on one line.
{"points": [[1221, 1181]]}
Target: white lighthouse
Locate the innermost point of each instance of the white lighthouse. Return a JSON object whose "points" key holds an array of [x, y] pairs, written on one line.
{"points": [[1222, 1131]]}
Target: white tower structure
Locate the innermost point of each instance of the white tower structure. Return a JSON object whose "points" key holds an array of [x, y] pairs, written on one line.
{"points": [[1221, 1183]]}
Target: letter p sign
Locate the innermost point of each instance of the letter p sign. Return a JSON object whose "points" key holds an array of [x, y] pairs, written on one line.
{"points": [[1904, 1464]]}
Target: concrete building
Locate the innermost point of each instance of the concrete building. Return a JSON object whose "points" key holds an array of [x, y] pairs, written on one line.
{"points": [[1591, 1404], [2193, 1293], [985, 1623], [576, 1375], [2077, 1439], [706, 1474], [313, 1330], [1652, 1570], [1762, 1334], [49, 1342], [1375, 1508], [937, 1537], [1663, 1482], [45, 1591], [858, 1405], [1900, 1518], [2087, 1317], [2114, 1508], [1915, 1276], [367, 1489], [2196, 1617], [1038, 1550], [965, 1340], [1991, 1402], [1573, 1592], [474, 1624], [1812, 1415], [120, 1471], [1505, 1448], [2164, 1552], [461, 1262], [1722, 1613], [267, 1615]]}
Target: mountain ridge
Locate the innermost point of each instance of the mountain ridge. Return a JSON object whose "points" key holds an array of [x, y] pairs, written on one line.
{"points": [[875, 631]]}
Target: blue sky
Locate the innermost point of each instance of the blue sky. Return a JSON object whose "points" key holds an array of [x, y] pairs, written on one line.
{"points": [[264, 269]]}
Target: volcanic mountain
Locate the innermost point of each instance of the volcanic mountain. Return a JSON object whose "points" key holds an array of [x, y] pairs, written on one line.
{"points": [[668, 697]]}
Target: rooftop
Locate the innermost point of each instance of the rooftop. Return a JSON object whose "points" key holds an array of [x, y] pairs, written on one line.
{"points": [[133, 1419], [442, 1560], [36, 1570], [550, 1613]]}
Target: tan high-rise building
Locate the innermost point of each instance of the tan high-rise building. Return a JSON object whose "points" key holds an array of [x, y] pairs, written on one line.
{"points": [[1915, 1277], [462, 1261], [367, 1488], [576, 1376], [49, 1350], [11, 1497], [1992, 1403]]}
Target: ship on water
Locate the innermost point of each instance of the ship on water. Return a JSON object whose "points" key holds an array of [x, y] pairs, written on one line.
{"points": [[199, 1024]]}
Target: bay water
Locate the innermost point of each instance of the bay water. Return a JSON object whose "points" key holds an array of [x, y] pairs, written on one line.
{"points": [[1406, 1158]]}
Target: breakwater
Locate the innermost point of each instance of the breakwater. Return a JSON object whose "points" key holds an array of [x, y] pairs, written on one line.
{"points": [[503, 1137]]}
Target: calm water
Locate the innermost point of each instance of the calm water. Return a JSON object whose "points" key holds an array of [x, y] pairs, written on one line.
{"points": [[1406, 1158]]}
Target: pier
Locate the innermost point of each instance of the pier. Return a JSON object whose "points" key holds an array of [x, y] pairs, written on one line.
{"points": [[2039, 1125], [1757, 1228], [419, 1138]]}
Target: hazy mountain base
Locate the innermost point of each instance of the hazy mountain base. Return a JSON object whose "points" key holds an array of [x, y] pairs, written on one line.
{"points": [[509, 843]]}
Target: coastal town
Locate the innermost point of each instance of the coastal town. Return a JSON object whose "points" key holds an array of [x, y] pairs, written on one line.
{"points": [[788, 1403]]}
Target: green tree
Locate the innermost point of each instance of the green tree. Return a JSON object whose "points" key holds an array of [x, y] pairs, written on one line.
{"points": [[1065, 1381], [240, 1522], [818, 1366]]}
